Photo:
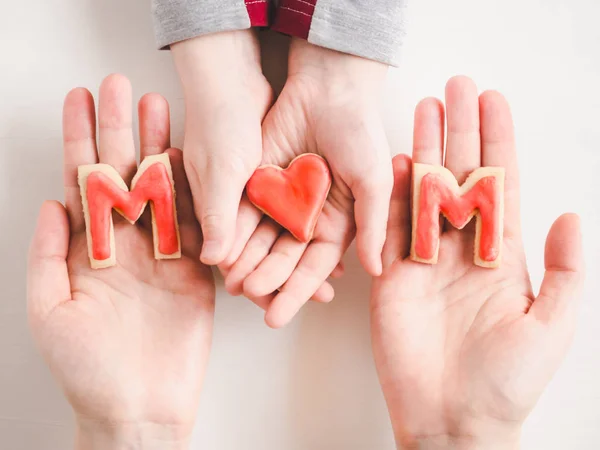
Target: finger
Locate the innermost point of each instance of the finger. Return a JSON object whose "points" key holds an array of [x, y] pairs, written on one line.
{"points": [[316, 264], [47, 275], [262, 302], [463, 142], [371, 210], [79, 147], [428, 135], [339, 270], [189, 229], [499, 149], [116, 146], [248, 219], [217, 206], [324, 294], [256, 250], [155, 125], [276, 268], [397, 244], [154, 131], [564, 265]]}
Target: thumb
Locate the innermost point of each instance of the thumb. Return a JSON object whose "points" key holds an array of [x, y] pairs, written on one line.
{"points": [[221, 189], [47, 276], [397, 243], [563, 279]]}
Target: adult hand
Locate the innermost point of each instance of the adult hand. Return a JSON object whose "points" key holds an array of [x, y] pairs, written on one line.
{"points": [[128, 344], [463, 352]]}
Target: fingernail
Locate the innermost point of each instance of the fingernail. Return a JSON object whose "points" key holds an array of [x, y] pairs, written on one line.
{"points": [[211, 252]]}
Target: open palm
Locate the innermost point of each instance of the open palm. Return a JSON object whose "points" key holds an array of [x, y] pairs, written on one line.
{"points": [[128, 344], [464, 352]]}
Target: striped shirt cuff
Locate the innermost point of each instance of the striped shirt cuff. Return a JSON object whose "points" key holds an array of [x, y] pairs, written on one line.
{"points": [[373, 29], [178, 20]]}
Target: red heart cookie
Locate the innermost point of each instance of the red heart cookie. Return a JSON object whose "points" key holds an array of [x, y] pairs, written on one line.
{"points": [[293, 197]]}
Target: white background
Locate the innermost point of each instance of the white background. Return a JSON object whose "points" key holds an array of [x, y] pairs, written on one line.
{"points": [[313, 384]]}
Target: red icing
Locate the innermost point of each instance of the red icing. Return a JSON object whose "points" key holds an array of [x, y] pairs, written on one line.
{"points": [[154, 185], [293, 197], [435, 197]]}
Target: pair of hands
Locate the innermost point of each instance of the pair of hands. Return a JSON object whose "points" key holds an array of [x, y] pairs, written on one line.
{"points": [[328, 106], [462, 352]]}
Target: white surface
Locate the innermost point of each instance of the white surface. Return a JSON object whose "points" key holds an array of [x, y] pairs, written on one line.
{"points": [[312, 385]]}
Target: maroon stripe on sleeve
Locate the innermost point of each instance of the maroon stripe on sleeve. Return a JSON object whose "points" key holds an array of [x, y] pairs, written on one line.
{"points": [[294, 17], [258, 11]]}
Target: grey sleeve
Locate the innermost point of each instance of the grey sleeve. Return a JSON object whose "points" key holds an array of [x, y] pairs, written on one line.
{"points": [[373, 29], [178, 20]]}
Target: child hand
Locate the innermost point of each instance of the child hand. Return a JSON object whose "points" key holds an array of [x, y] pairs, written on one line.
{"points": [[226, 99], [328, 106], [129, 344], [463, 352]]}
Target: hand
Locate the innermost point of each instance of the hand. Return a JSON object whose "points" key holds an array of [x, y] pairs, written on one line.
{"points": [[463, 352], [129, 344], [328, 106], [226, 99]]}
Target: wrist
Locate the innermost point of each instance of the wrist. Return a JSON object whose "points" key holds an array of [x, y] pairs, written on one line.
{"points": [[217, 59], [488, 437], [335, 70], [446, 442], [92, 435]]}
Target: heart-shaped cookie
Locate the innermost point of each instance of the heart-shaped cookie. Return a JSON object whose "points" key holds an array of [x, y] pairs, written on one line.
{"points": [[293, 197]]}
